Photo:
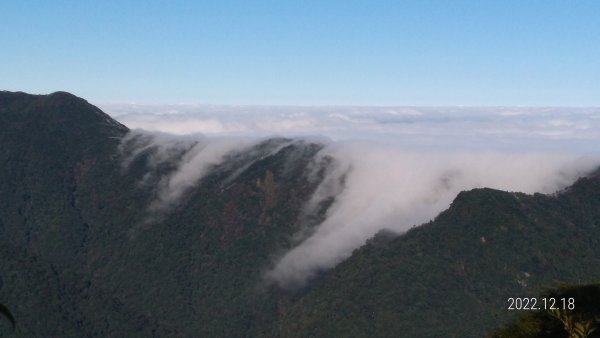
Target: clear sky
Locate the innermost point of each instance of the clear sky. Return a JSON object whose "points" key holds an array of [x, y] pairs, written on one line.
{"points": [[306, 52]]}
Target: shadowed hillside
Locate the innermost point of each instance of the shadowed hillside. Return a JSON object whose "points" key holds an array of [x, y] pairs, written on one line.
{"points": [[453, 276], [581, 319], [84, 254], [78, 257]]}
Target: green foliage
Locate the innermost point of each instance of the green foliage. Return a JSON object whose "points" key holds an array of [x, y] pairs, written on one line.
{"points": [[582, 321], [575, 327], [443, 275], [6, 313], [78, 257]]}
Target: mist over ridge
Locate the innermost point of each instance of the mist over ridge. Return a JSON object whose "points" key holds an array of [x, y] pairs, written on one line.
{"points": [[300, 169], [393, 168], [168, 235]]}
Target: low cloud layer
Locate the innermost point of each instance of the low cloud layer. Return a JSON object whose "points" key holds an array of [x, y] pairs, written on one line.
{"points": [[458, 127], [395, 189], [393, 168], [189, 158], [176, 164]]}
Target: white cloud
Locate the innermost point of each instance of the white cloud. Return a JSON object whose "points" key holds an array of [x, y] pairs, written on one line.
{"points": [[471, 127], [391, 188], [402, 165], [193, 165]]}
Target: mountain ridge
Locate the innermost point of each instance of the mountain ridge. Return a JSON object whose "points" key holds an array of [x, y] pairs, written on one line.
{"points": [[70, 266]]}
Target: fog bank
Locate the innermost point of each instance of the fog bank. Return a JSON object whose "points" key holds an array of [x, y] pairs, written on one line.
{"points": [[393, 168], [395, 189]]}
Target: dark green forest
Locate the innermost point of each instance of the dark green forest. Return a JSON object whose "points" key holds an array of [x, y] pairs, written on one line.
{"points": [[78, 257], [582, 320]]}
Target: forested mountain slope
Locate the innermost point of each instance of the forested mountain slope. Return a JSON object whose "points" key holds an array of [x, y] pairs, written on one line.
{"points": [[453, 276], [83, 253]]}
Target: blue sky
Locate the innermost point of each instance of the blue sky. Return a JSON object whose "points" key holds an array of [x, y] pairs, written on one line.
{"points": [[306, 52]]}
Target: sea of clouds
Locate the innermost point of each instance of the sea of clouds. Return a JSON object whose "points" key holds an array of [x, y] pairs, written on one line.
{"points": [[395, 167], [497, 128]]}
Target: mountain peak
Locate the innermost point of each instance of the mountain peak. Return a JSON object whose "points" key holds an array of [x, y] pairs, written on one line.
{"points": [[59, 125], [59, 112]]}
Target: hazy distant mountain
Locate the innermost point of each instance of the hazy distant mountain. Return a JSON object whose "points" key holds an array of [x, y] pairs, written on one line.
{"points": [[87, 251]]}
